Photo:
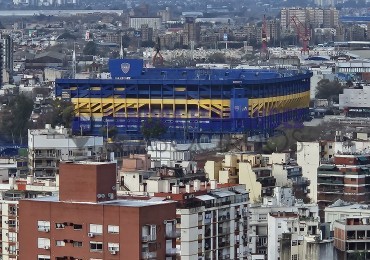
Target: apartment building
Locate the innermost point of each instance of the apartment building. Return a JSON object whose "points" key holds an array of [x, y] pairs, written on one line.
{"points": [[259, 172], [154, 22], [348, 178], [312, 17], [351, 237], [340, 210], [11, 191], [47, 147], [87, 221], [264, 232], [212, 220]]}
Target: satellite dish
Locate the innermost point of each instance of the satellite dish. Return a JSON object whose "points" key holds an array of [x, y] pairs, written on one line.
{"points": [[99, 196]]}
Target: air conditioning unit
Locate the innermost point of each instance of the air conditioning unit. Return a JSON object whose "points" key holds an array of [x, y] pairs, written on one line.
{"points": [[90, 234], [6, 222], [47, 247], [113, 252]]}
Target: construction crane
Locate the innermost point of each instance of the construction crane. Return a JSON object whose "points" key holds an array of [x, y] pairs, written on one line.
{"points": [[158, 58], [264, 50], [302, 32]]}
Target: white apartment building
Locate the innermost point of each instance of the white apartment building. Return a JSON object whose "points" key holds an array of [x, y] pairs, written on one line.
{"points": [[152, 22], [166, 153], [341, 210], [264, 233], [46, 147], [213, 225], [10, 194], [355, 97]]}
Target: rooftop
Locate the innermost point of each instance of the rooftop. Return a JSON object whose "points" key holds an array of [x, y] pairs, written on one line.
{"points": [[136, 203]]}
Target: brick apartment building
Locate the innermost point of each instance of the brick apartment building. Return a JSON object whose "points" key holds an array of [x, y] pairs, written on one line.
{"points": [[347, 179], [351, 238], [88, 222]]}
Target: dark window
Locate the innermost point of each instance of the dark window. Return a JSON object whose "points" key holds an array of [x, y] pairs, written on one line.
{"points": [[77, 227]]}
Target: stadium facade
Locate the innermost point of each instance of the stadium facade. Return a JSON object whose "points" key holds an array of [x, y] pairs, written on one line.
{"points": [[189, 102]]}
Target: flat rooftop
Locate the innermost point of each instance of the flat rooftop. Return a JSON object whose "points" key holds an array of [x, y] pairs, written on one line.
{"points": [[136, 203]]}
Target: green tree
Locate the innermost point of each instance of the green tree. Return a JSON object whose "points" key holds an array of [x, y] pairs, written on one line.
{"points": [[327, 89], [153, 129], [15, 122], [90, 48]]}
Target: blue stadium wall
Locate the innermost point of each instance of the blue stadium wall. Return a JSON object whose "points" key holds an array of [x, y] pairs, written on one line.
{"points": [[190, 102]]}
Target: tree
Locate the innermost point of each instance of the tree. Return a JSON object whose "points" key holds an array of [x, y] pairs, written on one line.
{"points": [[330, 90], [153, 129], [217, 58], [62, 113], [90, 48], [15, 122]]}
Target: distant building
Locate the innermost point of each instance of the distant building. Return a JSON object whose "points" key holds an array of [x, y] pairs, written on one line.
{"points": [[154, 22], [87, 221]]}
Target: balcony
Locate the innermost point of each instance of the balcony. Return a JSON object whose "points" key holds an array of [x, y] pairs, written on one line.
{"points": [[149, 255], [147, 238], [171, 251], [172, 234]]}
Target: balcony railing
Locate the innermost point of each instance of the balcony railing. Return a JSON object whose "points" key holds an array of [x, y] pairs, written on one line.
{"points": [[147, 238], [149, 255], [171, 251]]}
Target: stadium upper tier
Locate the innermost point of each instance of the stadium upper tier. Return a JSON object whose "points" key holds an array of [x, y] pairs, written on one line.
{"points": [[189, 102]]}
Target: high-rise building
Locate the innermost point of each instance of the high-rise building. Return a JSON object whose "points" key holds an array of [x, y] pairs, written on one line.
{"points": [[87, 221], [1, 63], [6, 65], [191, 31], [311, 17]]}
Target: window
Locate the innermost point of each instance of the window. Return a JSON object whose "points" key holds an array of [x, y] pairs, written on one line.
{"points": [[12, 236], [77, 244], [279, 225], [60, 243], [113, 229], [43, 242], [12, 249], [295, 257], [96, 229], [12, 223], [96, 246], [59, 225], [113, 246], [77, 227], [43, 257], [43, 225]]}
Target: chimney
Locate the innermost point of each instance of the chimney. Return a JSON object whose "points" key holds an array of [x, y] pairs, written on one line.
{"points": [[175, 189], [213, 184], [196, 185], [187, 188]]}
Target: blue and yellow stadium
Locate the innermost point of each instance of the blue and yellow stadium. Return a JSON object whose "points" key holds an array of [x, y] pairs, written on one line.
{"points": [[190, 102]]}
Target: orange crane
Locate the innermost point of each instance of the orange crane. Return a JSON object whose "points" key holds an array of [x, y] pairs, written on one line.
{"points": [[302, 32], [158, 58]]}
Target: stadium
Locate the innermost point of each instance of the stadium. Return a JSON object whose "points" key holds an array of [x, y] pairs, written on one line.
{"points": [[190, 102]]}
